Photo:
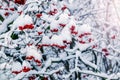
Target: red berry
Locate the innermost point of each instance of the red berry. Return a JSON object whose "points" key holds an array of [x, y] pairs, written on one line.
{"points": [[113, 37], [63, 8], [72, 28], [38, 15], [20, 12], [20, 1], [87, 33], [29, 57], [74, 32], [45, 45], [62, 25], [12, 9], [62, 47], [80, 36], [69, 15], [94, 46], [16, 72], [6, 8], [39, 46], [84, 76], [106, 54], [54, 30], [31, 26], [32, 78], [104, 50], [55, 11], [26, 69], [65, 41], [54, 45], [28, 26], [38, 64], [51, 13], [37, 61], [45, 78], [6, 14], [39, 33], [82, 42], [90, 40], [21, 28]]}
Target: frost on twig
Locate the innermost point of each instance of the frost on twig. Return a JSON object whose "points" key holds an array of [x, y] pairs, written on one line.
{"points": [[59, 40]]}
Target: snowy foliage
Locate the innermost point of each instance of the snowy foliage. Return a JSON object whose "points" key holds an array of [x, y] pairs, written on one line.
{"points": [[59, 40]]}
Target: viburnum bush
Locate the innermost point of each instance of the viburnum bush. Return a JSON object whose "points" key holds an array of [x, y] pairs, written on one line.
{"points": [[59, 40]]}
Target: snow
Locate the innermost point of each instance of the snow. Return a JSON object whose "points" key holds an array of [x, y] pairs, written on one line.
{"points": [[84, 28], [26, 64], [45, 40], [32, 51], [63, 55], [30, 1], [3, 77], [3, 26], [31, 8], [5, 66], [46, 17], [70, 1], [67, 11], [22, 20], [72, 22], [23, 50], [54, 25], [2, 54], [63, 18], [87, 62], [16, 66], [66, 35], [57, 40], [83, 47], [87, 16]]}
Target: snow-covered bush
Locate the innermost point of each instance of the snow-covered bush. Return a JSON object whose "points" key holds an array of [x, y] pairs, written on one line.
{"points": [[58, 40]]}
